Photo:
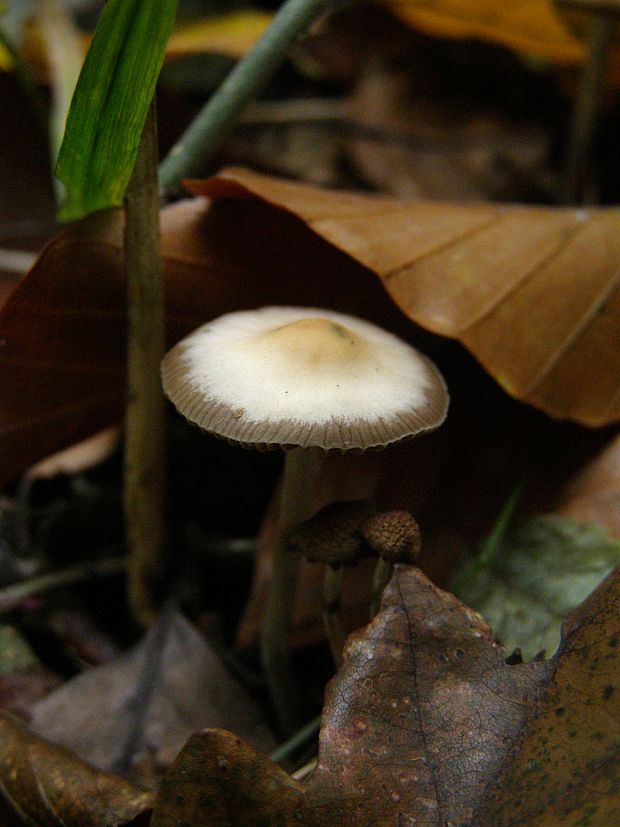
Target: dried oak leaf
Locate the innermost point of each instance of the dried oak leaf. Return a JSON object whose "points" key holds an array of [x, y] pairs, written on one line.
{"points": [[42, 785], [427, 724], [566, 770], [475, 272]]}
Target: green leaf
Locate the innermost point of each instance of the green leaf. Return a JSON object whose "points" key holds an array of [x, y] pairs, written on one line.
{"points": [[540, 572], [110, 103]]}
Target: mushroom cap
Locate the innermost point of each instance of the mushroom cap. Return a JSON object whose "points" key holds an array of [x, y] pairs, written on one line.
{"points": [[334, 534], [292, 376], [393, 535]]}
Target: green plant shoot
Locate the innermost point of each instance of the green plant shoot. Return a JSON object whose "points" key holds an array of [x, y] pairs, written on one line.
{"points": [[109, 107]]}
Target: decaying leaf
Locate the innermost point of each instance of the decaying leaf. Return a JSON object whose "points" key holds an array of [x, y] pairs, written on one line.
{"points": [[424, 718], [566, 771], [148, 700], [218, 779], [23, 678], [61, 379], [452, 147], [232, 33], [535, 27], [421, 716], [475, 272], [539, 573], [594, 494], [470, 272], [43, 785]]}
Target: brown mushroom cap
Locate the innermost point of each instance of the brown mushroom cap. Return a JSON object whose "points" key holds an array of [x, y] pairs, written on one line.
{"points": [[290, 376], [394, 536], [334, 534]]}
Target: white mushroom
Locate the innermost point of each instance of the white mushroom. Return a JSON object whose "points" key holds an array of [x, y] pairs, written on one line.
{"points": [[300, 378]]}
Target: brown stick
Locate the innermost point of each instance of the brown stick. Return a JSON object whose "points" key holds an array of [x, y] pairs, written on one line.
{"points": [[145, 422]]}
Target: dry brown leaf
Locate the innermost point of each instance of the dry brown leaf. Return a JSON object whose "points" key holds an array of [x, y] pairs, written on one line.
{"points": [[594, 494], [533, 27], [43, 785], [566, 770], [95, 713], [191, 792], [458, 149], [61, 375], [488, 276], [427, 724]]}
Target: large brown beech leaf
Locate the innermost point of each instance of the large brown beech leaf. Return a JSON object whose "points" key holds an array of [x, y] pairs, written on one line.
{"points": [[62, 331], [533, 293], [426, 724], [42, 785]]}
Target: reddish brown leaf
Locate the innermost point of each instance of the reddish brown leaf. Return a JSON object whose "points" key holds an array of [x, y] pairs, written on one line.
{"points": [[566, 770], [422, 715], [48, 786], [594, 494], [220, 780], [427, 724], [62, 332], [476, 272]]}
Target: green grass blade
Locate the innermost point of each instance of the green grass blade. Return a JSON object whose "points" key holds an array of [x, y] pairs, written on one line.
{"points": [[110, 103]]}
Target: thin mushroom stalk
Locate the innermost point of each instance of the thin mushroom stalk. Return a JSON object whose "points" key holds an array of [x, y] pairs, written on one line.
{"points": [[332, 607], [301, 469], [333, 537], [395, 537]]}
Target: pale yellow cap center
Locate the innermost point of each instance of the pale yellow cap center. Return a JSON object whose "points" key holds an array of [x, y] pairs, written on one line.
{"points": [[316, 341]]}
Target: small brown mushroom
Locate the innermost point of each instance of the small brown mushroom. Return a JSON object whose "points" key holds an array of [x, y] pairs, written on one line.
{"points": [[334, 537], [395, 537]]}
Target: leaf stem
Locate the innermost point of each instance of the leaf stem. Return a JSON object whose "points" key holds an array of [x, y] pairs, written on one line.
{"points": [[299, 739], [144, 483], [495, 536], [12, 596], [218, 117]]}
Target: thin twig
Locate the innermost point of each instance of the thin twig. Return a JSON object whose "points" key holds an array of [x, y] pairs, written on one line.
{"points": [[150, 678], [13, 595], [199, 143], [587, 109], [16, 261], [299, 739], [306, 770], [332, 115]]}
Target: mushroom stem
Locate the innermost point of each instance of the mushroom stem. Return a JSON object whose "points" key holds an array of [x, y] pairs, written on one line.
{"points": [[332, 603], [301, 468], [383, 573]]}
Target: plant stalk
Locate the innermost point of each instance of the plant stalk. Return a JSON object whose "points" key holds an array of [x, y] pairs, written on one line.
{"points": [[197, 146], [586, 114], [145, 422], [383, 573]]}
